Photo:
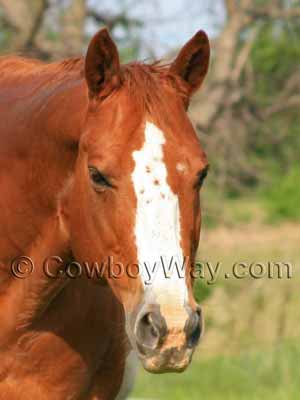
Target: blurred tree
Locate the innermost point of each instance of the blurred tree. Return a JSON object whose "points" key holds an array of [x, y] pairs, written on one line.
{"points": [[22, 20], [53, 29], [73, 27], [248, 106]]}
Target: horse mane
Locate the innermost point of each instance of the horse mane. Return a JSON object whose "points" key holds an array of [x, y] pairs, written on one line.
{"points": [[143, 81], [27, 67]]}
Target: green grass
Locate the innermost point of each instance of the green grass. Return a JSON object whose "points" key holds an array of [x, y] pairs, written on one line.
{"points": [[282, 199], [219, 209], [251, 347], [275, 201], [272, 374]]}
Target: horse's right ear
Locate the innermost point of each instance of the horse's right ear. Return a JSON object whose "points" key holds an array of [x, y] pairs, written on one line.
{"points": [[102, 65]]}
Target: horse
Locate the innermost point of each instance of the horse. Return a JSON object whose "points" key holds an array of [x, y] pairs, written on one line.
{"points": [[99, 164]]}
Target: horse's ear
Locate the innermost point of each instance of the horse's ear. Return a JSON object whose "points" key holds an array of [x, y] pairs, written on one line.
{"points": [[192, 61], [102, 65]]}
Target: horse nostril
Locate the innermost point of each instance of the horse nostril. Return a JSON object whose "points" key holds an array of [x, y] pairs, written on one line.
{"points": [[154, 332], [150, 330], [195, 336], [193, 328]]}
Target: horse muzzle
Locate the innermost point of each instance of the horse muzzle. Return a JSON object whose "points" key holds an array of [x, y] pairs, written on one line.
{"points": [[163, 348]]}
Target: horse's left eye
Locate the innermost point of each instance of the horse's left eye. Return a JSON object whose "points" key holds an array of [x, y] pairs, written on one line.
{"points": [[97, 178], [201, 176]]}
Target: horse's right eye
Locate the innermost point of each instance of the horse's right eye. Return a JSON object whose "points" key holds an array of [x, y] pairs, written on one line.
{"points": [[98, 180]]}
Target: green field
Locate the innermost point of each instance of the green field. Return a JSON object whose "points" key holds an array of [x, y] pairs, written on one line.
{"points": [[270, 374], [251, 346]]}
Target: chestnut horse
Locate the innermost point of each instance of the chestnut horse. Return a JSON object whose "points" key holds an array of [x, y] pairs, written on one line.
{"points": [[97, 159]]}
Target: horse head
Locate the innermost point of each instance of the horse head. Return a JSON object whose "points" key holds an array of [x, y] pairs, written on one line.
{"points": [[136, 193]]}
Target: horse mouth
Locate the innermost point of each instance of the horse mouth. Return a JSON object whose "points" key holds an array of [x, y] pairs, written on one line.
{"points": [[161, 348], [170, 360]]}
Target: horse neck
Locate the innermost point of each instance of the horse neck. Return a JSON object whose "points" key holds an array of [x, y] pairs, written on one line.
{"points": [[41, 135], [54, 152], [51, 127]]}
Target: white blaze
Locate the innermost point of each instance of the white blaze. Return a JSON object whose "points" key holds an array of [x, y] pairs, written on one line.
{"points": [[157, 228]]}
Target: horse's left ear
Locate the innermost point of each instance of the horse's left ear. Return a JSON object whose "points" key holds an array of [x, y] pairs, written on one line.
{"points": [[102, 65], [192, 61]]}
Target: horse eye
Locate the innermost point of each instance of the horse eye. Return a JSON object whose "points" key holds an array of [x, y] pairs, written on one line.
{"points": [[97, 178], [201, 176]]}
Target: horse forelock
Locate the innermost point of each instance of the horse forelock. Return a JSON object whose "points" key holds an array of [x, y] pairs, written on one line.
{"points": [[151, 84]]}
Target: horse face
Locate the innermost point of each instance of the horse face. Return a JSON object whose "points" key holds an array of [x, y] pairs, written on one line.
{"points": [[138, 175]]}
